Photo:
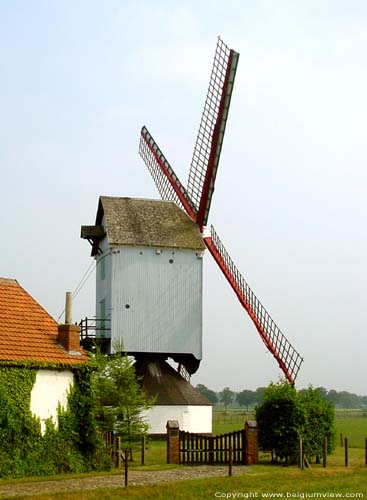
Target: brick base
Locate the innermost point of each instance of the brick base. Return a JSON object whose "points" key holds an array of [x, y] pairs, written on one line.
{"points": [[173, 442]]}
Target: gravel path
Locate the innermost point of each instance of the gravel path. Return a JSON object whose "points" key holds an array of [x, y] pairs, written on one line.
{"points": [[23, 490]]}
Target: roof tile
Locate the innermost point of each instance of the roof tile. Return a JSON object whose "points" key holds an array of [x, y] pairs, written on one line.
{"points": [[27, 331]]}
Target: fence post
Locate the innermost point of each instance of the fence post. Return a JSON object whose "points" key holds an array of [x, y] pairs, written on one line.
{"points": [[301, 463], [126, 466], [143, 450], [346, 451], [211, 450], [230, 457], [243, 441], [324, 452], [365, 445], [117, 451], [341, 439], [173, 442]]}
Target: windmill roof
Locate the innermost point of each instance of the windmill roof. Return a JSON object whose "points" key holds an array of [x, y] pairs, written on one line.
{"points": [[161, 380], [142, 222], [27, 331]]}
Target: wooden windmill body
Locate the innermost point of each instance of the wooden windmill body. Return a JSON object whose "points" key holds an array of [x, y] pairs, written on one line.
{"points": [[149, 279]]}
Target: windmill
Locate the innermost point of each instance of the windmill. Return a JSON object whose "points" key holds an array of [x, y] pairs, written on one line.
{"points": [[196, 199]]}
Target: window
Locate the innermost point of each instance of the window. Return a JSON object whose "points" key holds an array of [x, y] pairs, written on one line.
{"points": [[102, 269]]}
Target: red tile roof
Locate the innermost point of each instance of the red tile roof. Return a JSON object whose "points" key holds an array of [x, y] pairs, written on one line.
{"points": [[27, 331]]}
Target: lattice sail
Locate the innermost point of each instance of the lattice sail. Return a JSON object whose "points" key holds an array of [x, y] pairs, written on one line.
{"points": [[288, 358], [209, 140], [167, 182]]}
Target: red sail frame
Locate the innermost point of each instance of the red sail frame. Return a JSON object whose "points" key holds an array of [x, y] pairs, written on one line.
{"points": [[208, 146], [288, 358], [167, 182]]}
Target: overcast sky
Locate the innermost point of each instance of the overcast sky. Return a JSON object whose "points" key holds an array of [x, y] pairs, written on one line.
{"points": [[80, 78]]}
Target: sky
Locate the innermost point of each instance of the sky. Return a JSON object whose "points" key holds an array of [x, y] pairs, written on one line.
{"points": [[79, 79]]}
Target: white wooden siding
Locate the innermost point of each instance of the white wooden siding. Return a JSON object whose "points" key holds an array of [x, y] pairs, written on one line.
{"points": [[156, 299]]}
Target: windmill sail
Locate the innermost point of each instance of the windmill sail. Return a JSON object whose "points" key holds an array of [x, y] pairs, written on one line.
{"points": [[209, 140], [288, 358], [167, 182], [197, 199]]}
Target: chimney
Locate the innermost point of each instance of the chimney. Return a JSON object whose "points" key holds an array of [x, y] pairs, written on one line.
{"points": [[68, 334]]}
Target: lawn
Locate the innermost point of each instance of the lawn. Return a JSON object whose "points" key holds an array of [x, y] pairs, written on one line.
{"points": [[354, 428], [260, 480]]}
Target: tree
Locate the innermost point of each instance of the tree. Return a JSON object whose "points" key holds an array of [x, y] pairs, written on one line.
{"points": [[348, 400], [121, 398], [323, 393], [245, 398], [259, 394], [208, 393], [333, 396], [318, 423], [279, 418], [226, 396], [285, 416]]}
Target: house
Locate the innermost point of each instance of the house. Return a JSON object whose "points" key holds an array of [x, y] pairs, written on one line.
{"points": [[30, 337], [175, 399]]}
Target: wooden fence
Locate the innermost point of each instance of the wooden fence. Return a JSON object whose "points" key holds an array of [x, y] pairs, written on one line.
{"points": [[203, 449], [232, 416], [113, 447]]}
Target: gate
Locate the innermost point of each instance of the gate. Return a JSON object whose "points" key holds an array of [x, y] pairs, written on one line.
{"points": [[212, 450]]}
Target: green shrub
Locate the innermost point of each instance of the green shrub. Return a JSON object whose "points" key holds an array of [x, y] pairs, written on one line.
{"points": [[279, 419], [285, 416], [319, 423]]}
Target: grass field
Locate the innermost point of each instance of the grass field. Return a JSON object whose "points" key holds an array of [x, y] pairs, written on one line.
{"points": [[354, 426], [261, 481]]}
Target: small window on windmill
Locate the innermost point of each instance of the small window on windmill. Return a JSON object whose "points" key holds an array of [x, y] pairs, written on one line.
{"points": [[102, 269]]}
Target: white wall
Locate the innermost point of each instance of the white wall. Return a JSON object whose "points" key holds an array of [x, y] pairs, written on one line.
{"points": [[190, 418], [157, 300], [50, 389]]}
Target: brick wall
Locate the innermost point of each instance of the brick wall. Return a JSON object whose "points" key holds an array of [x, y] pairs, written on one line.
{"points": [[173, 442], [69, 337], [252, 444]]}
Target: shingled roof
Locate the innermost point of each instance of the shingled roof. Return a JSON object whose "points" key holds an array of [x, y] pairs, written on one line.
{"points": [[159, 379], [141, 222], [27, 331]]}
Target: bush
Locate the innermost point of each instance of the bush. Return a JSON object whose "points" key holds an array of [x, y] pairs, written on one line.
{"points": [[279, 419], [285, 416], [319, 423]]}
